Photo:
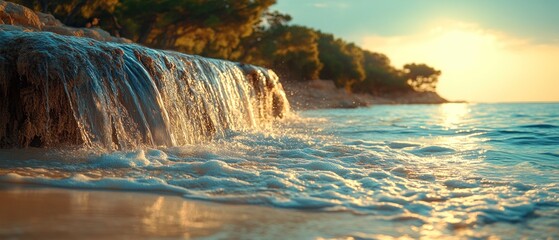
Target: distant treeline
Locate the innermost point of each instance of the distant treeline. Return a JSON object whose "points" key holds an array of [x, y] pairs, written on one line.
{"points": [[245, 31]]}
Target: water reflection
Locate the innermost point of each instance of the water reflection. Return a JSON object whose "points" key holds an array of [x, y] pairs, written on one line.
{"points": [[450, 134], [435, 179], [453, 115], [100, 214]]}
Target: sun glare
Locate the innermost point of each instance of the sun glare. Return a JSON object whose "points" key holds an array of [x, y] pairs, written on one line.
{"points": [[453, 114], [478, 65]]}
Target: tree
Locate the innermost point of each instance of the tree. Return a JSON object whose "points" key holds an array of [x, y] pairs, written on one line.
{"points": [[244, 30], [297, 53], [422, 77], [212, 28], [380, 76], [342, 61], [292, 51]]}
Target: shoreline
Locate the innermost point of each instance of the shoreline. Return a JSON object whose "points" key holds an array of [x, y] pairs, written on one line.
{"points": [[321, 94], [38, 211], [98, 213]]}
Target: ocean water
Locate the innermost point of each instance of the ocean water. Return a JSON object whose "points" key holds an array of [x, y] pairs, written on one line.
{"points": [[473, 170]]}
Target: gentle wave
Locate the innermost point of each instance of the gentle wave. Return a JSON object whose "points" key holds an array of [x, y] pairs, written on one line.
{"points": [[317, 161], [544, 126]]}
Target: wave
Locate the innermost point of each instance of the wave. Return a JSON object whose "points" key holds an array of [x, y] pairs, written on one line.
{"points": [[541, 126]]}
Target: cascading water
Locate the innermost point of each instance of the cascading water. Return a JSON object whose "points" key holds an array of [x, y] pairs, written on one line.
{"points": [[411, 171], [66, 90]]}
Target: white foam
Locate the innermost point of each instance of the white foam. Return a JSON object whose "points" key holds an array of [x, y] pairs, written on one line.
{"points": [[82, 181], [437, 182], [122, 160], [458, 183]]}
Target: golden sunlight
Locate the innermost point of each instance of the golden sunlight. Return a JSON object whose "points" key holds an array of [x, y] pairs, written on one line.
{"points": [[477, 63], [453, 114]]}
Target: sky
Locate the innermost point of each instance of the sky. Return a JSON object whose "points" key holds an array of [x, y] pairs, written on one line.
{"points": [[487, 50]]}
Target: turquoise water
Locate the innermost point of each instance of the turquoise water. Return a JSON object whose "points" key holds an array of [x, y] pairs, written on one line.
{"points": [[441, 169]]}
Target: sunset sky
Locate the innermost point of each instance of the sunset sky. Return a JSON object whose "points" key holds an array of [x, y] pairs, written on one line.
{"points": [[488, 51]]}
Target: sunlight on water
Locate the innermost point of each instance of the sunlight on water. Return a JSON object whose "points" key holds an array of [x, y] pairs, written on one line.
{"points": [[454, 136], [454, 114], [455, 169]]}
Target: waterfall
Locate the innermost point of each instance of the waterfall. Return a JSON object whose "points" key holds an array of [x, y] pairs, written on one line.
{"points": [[58, 90]]}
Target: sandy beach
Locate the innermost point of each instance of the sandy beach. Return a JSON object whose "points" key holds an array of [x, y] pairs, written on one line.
{"points": [[41, 212], [241, 120], [32, 212]]}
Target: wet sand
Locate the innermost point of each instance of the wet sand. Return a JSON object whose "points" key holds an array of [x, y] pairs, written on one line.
{"points": [[53, 213], [37, 212]]}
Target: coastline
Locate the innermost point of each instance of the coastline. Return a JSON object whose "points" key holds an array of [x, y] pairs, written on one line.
{"points": [[320, 94], [33, 211], [314, 94], [36, 211], [129, 154]]}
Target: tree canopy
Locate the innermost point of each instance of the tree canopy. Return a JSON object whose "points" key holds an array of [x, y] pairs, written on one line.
{"points": [[422, 77], [289, 49], [380, 75], [342, 61]]}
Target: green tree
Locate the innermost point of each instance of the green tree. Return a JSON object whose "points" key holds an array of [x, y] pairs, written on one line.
{"points": [[422, 77], [380, 75], [291, 50], [342, 61], [212, 28], [297, 53]]}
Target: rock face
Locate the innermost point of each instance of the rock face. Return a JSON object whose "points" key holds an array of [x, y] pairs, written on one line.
{"points": [[60, 90], [13, 14], [17, 17]]}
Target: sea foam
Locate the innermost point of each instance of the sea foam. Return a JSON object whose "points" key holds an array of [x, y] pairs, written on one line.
{"points": [[445, 182]]}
